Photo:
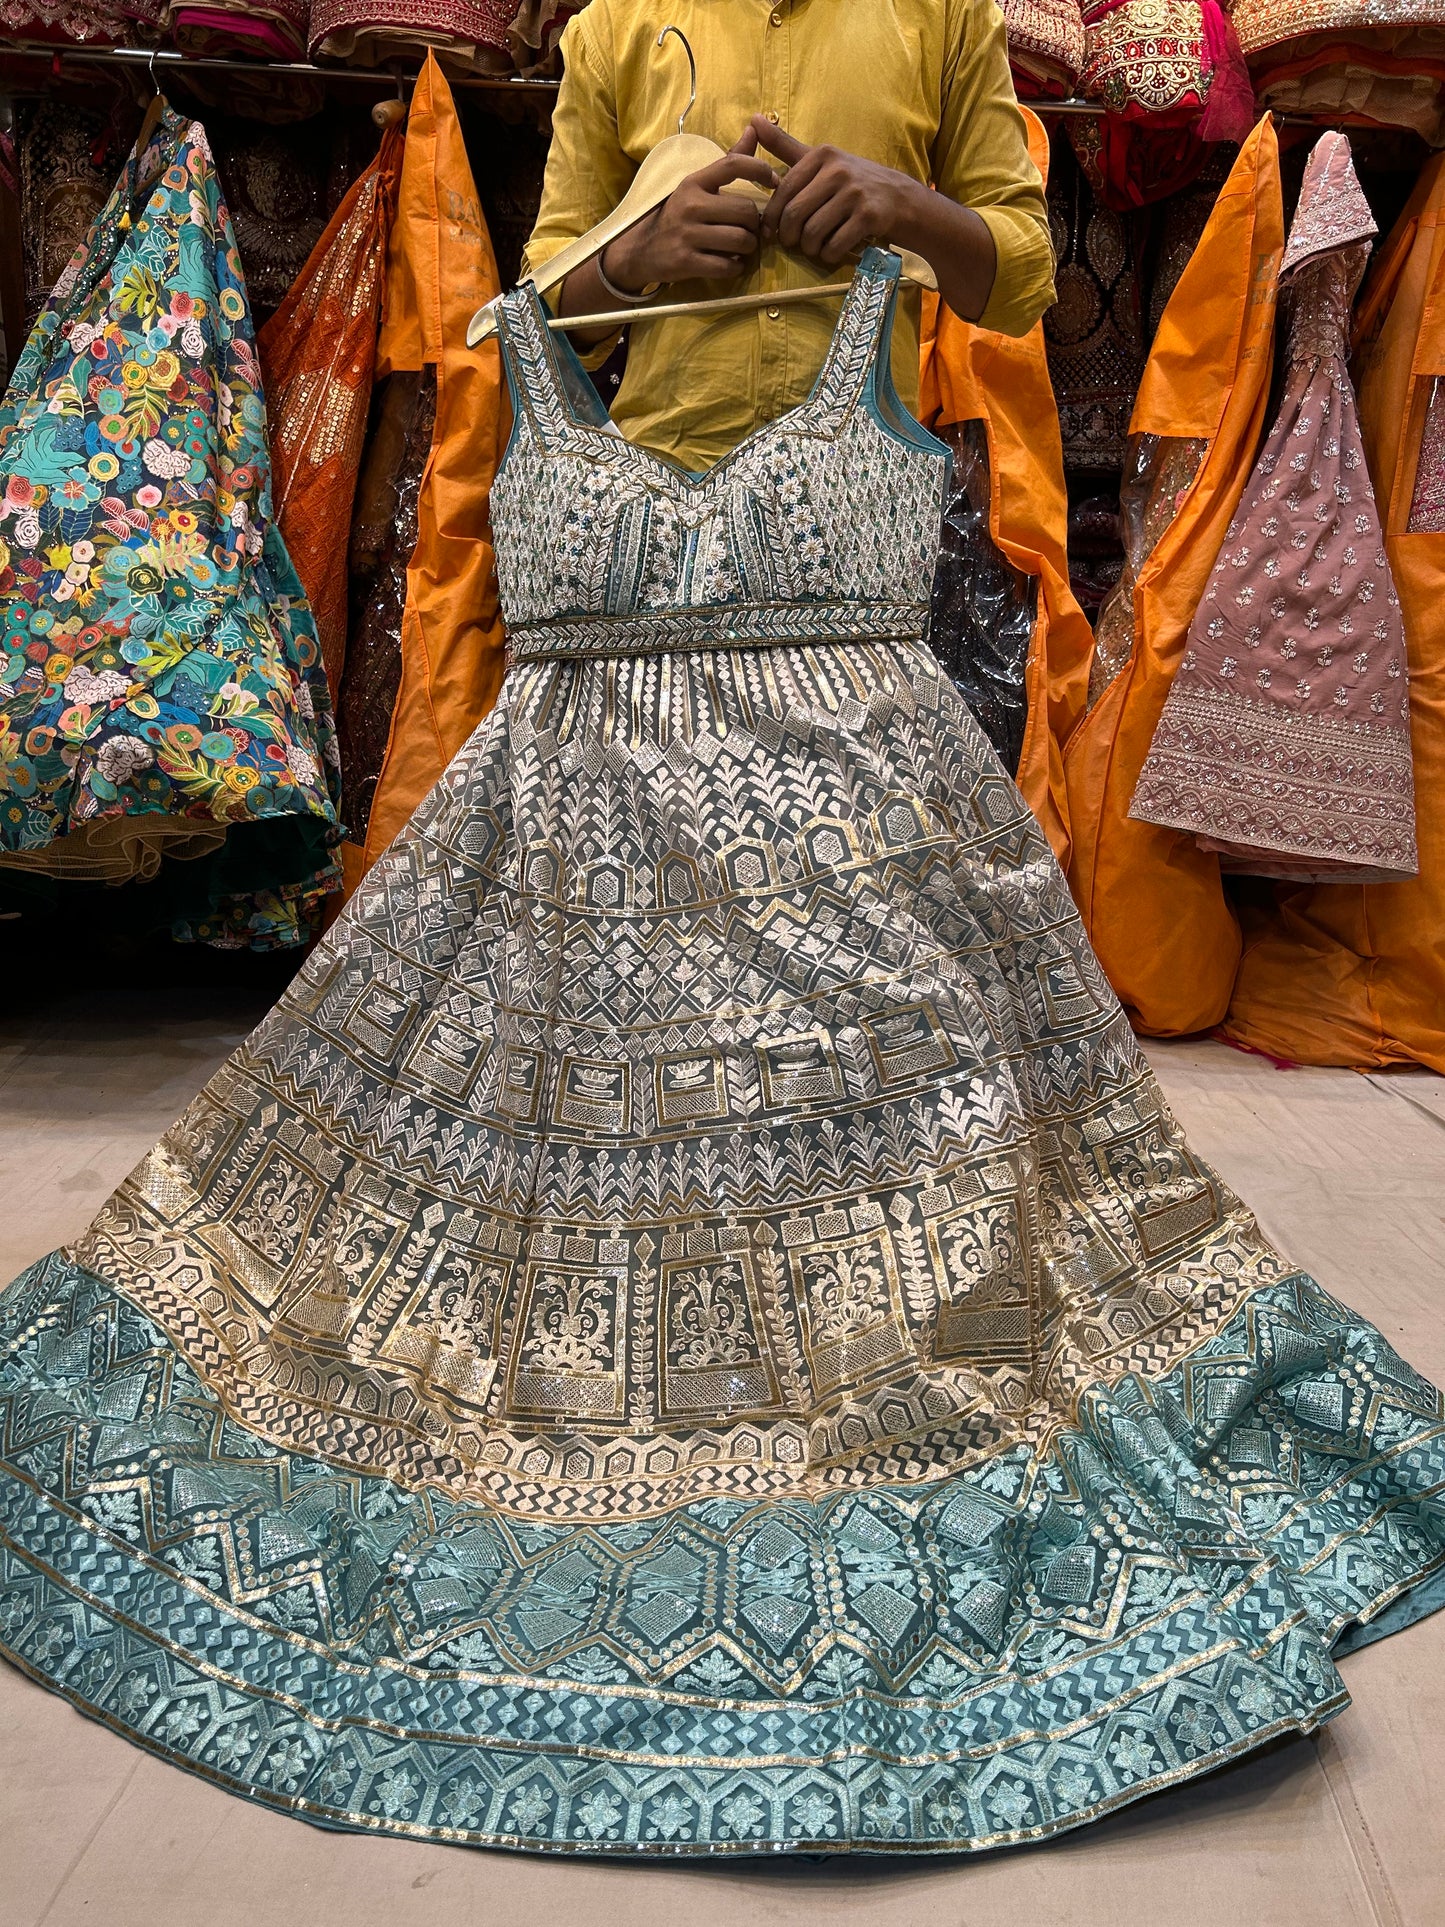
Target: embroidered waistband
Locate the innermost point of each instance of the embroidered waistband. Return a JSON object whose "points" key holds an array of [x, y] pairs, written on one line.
{"points": [[753, 626]]}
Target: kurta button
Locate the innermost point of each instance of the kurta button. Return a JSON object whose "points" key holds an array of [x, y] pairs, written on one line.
{"points": [[773, 118], [773, 313], [777, 16]]}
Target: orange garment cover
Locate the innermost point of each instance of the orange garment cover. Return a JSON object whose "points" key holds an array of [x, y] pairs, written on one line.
{"points": [[318, 357], [440, 271], [1153, 902], [976, 374], [1350, 973]]}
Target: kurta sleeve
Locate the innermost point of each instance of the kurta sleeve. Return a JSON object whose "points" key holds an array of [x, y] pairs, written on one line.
{"points": [[981, 159], [588, 171]]}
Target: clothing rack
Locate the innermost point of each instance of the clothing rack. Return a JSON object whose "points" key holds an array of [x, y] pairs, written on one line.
{"points": [[384, 78]]}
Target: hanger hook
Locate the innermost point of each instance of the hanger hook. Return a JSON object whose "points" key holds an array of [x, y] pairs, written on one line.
{"points": [[691, 73], [151, 65]]}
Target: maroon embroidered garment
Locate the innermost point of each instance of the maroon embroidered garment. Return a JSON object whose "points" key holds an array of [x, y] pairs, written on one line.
{"points": [[1285, 742]]}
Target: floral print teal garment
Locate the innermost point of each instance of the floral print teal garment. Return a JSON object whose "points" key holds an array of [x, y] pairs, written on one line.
{"points": [[161, 679]]}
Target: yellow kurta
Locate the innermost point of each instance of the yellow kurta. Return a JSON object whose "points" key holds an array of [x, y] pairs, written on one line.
{"points": [[920, 85]]}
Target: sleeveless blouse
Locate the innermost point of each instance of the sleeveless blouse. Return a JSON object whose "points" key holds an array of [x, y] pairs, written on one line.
{"points": [[821, 526]]}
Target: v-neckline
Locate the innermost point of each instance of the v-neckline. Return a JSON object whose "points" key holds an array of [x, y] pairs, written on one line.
{"points": [[694, 481]]}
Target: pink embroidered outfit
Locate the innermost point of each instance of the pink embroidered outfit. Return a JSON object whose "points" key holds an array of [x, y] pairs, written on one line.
{"points": [[1285, 742]]}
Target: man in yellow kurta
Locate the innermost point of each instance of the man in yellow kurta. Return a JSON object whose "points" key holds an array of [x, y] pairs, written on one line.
{"points": [[849, 111]]}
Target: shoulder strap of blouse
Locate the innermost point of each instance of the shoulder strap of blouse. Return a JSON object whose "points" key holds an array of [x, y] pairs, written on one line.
{"points": [[532, 365], [863, 332]]}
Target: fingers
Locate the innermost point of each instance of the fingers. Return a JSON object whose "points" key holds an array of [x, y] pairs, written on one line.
{"points": [[726, 210], [796, 181], [851, 238], [818, 232], [724, 240], [735, 167], [790, 212], [746, 142], [777, 140]]}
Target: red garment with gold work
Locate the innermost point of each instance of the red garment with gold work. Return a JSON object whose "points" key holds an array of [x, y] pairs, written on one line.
{"points": [[318, 356]]}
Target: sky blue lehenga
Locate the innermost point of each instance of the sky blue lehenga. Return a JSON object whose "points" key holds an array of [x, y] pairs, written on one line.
{"points": [[691, 1328]]}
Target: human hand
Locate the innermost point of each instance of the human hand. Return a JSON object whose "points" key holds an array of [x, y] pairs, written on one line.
{"points": [[702, 232], [830, 203]]}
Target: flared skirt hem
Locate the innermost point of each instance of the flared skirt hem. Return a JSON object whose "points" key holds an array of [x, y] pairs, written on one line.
{"points": [[1149, 1598]]}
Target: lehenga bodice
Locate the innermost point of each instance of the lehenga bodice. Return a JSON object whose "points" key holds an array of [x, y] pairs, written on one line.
{"points": [[823, 525]]}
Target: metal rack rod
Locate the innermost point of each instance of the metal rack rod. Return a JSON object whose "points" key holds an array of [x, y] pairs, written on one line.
{"points": [[385, 78]]}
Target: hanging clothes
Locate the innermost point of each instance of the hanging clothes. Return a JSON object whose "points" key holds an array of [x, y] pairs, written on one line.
{"points": [[257, 29], [1284, 745], [1146, 59], [984, 609], [282, 187], [465, 36], [64, 181], [691, 1328], [80, 22], [441, 270], [1094, 333], [509, 162], [1152, 901], [383, 538], [318, 356], [1096, 548], [536, 28], [1172, 77], [1351, 974], [1349, 60], [1181, 224], [162, 685], [1045, 46], [1002, 594]]}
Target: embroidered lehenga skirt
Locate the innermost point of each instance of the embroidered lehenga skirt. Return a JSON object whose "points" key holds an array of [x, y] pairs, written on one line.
{"points": [[691, 1328]]}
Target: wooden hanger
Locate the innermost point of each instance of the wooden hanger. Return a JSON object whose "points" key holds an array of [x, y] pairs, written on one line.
{"points": [[662, 172]]}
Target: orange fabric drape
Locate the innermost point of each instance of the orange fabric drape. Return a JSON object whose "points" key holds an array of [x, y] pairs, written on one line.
{"points": [[440, 271], [1153, 903], [1355, 974], [318, 358], [976, 374]]}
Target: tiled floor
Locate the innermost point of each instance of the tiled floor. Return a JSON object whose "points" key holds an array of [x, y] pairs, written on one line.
{"points": [[1347, 1173]]}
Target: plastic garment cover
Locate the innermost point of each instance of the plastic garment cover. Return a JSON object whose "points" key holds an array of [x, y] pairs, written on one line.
{"points": [[382, 539], [1157, 473], [983, 607]]}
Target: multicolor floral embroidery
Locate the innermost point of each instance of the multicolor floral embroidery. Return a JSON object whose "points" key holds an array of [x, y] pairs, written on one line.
{"points": [[160, 661]]}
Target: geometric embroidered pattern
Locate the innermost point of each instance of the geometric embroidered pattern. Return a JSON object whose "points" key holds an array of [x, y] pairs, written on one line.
{"points": [[691, 1327], [821, 523], [945, 1665]]}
